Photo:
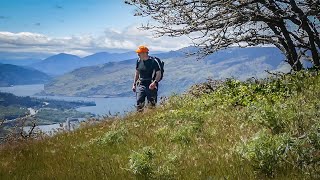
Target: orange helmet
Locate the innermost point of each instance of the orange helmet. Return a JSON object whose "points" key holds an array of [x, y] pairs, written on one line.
{"points": [[142, 49]]}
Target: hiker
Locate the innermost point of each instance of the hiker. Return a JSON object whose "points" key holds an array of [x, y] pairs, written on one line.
{"points": [[147, 76]]}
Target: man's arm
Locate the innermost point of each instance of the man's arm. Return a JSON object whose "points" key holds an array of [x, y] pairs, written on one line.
{"points": [[157, 79], [136, 77], [158, 76]]}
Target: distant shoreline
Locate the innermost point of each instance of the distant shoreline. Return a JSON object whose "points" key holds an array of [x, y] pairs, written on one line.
{"points": [[15, 85], [43, 93]]}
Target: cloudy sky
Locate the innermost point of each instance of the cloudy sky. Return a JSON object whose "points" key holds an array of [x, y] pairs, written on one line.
{"points": [[39, 28]]}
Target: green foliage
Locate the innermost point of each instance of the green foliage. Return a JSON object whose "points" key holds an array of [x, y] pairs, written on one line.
{"points": [[266, 152], [305, 152], [113, 137], [8, 99], [184, 134], [271, 116], [245, 93], [12, 112], [146, 165], [168, 167], [269, 153], [274, 89], [293, 126], [142, 162]]}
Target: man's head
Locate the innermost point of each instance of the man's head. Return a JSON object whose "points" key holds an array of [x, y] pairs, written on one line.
{"points": [[143, 52]]}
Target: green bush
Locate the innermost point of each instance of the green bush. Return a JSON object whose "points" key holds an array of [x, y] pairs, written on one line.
{"points": [[305, 152], [183, 135], [145, 165], [113, 137], [141, 163], [266, 152], [290, 133], [275, 117], [167, 169]]}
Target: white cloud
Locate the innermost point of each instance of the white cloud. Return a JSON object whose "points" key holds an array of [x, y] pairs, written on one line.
{"points": [[112, 39], [22, 38]]}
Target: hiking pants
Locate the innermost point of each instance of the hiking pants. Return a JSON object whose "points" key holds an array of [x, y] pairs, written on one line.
{"points": [[143, 91]]}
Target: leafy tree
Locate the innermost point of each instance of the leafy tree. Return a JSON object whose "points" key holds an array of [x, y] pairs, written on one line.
{"points": [[290, 25]]}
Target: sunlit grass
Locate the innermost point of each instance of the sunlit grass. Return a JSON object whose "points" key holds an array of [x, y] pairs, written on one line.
{"points": [[190, 137]]}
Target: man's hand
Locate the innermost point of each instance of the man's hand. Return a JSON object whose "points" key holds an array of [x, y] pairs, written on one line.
{"points": [[152, 85], [134, 88]]}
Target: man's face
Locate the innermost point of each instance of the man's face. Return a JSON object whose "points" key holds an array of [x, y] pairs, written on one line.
{"points": [[142, 55]]}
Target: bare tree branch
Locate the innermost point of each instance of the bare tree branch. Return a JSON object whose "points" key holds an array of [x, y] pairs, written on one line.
{"points": [[290, 25], [29, 133]]}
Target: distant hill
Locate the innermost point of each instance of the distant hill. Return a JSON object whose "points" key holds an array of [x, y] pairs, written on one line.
{"points": [[63, 63], [17, 75], [58, 64], [115, 78], [105, 57]]}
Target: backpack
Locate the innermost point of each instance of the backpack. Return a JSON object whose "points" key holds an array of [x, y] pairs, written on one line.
{"points": [[161, 66]]}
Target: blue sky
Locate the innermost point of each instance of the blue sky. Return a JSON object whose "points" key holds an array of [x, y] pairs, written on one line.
{"points": [[80, 27], [65, 17]]}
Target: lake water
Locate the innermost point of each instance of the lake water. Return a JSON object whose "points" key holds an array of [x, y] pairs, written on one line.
{"points": [[103, 105]]}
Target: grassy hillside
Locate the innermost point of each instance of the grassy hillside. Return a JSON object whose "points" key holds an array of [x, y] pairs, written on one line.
{"points": [[232, 130]]}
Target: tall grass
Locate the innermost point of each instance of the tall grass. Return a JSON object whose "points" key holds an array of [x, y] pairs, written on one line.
{"points": [[237, 130]]}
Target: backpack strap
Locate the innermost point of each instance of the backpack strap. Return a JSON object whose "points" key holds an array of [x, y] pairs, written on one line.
{"points": [[155, 59], [154, 71], [138, 63]]}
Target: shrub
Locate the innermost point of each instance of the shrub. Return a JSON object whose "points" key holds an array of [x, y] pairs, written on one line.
{"points": [[141, 163], [184, 134], [305, 152], [266, 152], [272, 116], [113, 137], [167, 169], [269, 153]]}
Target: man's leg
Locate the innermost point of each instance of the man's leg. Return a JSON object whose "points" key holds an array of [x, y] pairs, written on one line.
{"points": [[152, 96], [141, 96]]}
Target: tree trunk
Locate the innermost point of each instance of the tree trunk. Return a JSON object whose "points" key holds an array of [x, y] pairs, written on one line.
{"points": [[305, 26], [290, 51]]}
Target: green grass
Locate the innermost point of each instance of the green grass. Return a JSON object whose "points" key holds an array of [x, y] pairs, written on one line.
{"points": [[241, 130]]}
